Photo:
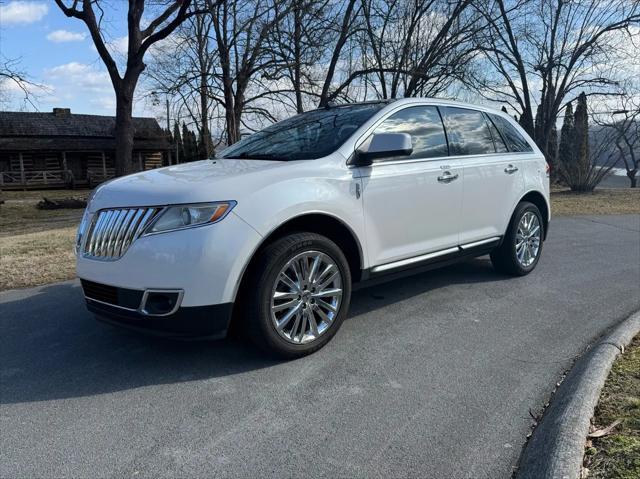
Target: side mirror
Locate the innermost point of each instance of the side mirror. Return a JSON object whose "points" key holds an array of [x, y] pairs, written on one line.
{"points": [[383, 145]]}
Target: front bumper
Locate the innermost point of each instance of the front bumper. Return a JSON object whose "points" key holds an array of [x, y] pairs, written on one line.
{"points": [[198, 322], [206, 263]]}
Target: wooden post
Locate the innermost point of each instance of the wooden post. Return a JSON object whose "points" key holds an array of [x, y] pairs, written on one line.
{"points": [[140, 161], [22, 178], [64, 161], [104, 165]]}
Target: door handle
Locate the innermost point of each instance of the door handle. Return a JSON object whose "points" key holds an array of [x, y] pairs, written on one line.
{"points": [[447, 177], [510, 169]]}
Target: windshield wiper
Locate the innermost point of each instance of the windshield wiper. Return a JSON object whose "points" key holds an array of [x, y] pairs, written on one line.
{"points": [[255, 156]]}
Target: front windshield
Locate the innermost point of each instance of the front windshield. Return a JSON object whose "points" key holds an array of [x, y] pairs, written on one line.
{"points": [[306, 136]]}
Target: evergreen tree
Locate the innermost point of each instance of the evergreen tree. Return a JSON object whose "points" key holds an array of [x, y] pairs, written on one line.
{"points": [[537, 129], [581, 137], [177, 143], [205, 146], [553, 153], [579, 170], [565, 151], [188, 144], [195, 155]]}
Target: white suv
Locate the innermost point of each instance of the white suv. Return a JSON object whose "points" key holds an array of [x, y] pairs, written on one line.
{"points": [[270, 236]]}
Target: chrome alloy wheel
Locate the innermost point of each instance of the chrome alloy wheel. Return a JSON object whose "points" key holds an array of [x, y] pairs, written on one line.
{"points": [[306, 297], [528, 239]]}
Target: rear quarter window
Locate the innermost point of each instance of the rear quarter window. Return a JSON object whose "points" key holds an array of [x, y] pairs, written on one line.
{"points": [[512, 137]]}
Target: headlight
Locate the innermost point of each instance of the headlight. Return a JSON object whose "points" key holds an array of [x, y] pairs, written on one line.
{"points": [[188, 216]]}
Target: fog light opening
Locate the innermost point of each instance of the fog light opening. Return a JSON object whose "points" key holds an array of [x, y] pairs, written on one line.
{"points": [[160, 303]]}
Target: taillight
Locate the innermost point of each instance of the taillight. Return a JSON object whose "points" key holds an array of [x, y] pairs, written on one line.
{"points": [[548, 169]]}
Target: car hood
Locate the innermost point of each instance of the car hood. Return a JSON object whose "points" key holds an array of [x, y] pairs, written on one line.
{"points": [[200, 181]]}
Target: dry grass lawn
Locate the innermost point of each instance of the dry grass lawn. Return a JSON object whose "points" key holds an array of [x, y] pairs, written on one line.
{"points": [[36, 246], [19, 215], [605, 201], [617, 455], [37, 258]]}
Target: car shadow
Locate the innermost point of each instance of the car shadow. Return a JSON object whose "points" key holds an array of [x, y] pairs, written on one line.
{"points": [[52, 348]]}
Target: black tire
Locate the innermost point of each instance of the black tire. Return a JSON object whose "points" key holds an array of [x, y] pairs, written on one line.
{"points": [[504, 258], [258, 295]]}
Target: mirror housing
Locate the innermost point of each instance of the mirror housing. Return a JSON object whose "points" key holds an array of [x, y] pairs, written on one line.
{"points": [[383, 145]]}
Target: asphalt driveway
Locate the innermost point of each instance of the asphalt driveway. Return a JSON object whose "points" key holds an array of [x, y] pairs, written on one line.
{"points": [[431, 376]]}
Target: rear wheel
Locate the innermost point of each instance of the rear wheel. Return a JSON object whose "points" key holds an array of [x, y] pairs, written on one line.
{"points": [[521, 247], [298, 295]]}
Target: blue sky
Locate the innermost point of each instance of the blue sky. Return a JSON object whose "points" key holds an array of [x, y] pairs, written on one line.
{"points": [[57, 52]]}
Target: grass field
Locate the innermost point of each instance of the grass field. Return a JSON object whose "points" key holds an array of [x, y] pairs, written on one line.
{"points": [[36, 246]]}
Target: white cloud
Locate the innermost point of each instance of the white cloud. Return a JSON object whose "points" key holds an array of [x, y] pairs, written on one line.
{"points": [[61, 36], [120, 45], [80, 76], [22, 12], [104, 103]]}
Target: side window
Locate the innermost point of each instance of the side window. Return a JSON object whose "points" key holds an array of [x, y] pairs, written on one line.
{"points": [[498, 141], [467, 131], [424, 125], [515, 141]]}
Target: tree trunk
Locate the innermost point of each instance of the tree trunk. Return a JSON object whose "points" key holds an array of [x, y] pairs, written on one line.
{"points": [[632, 177], [124, 133], [526, 122]]}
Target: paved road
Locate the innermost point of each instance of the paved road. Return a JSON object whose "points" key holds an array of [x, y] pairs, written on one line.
{"points": [[432, 376]]}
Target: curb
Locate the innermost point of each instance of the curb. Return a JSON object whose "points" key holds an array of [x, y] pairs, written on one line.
{"points": [[556, 447]]}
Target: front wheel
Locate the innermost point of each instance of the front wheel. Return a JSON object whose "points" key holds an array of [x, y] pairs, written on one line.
{"points": [[521, 247], [298, 295]]}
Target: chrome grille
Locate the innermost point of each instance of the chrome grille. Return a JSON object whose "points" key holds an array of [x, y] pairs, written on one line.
{"points": [[112, 231]]}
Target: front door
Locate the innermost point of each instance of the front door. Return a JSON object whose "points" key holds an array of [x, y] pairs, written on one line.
{"points": [[412, 203]]}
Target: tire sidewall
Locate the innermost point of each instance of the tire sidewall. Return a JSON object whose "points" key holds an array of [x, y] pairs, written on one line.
{"points": [[268, 278], [513, 230]]}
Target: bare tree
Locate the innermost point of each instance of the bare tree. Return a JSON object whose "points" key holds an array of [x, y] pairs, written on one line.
{"points": [[169, 15], [298, 44], [417, 48], [182, 68], [12, 76], [627, 138], [343, 29], [240, 30], [543, 51]]}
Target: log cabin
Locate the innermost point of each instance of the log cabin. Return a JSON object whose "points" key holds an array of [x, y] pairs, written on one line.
{"points": [[61, 149]]}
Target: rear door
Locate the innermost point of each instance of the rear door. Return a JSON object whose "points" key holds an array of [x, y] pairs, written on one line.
{"points": [[493, 181], [412, 204]]}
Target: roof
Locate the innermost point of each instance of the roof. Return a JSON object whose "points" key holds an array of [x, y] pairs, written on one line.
{"points": [[63, 130]]}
